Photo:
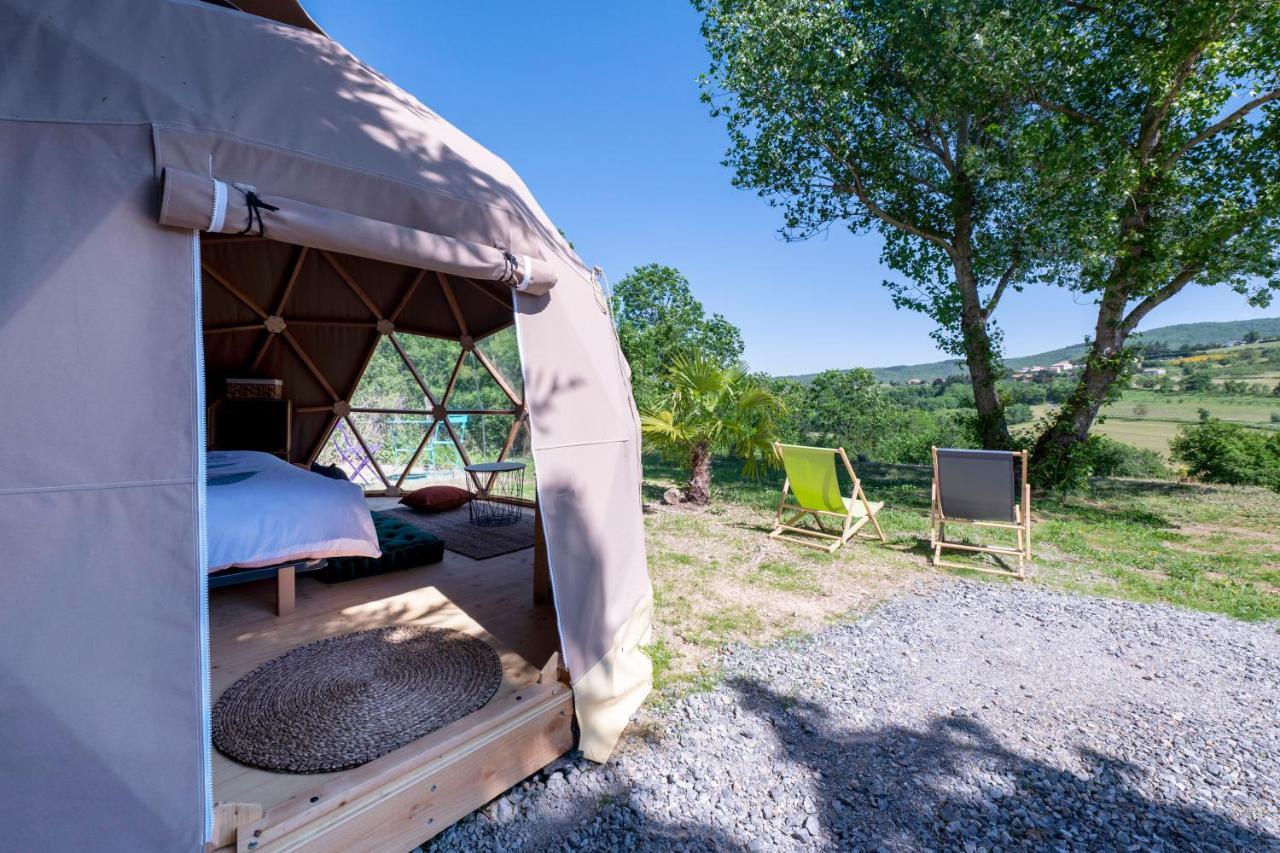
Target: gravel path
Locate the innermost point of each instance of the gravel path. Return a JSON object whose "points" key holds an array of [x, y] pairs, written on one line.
{"points": [[975, 717]]}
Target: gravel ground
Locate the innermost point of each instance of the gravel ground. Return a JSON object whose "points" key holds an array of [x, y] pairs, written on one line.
{"points": [[977, 716]]}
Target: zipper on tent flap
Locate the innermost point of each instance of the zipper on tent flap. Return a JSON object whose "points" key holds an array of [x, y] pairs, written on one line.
{"points": [[202, 545]]}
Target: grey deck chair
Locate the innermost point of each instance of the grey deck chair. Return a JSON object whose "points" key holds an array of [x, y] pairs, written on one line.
{"points": [[983, 488]]}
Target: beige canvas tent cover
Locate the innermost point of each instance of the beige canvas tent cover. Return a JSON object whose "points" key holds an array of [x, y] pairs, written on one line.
{"points": [[126, 129]]}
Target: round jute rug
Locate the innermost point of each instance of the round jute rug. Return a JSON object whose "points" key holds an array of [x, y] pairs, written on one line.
{"points": [[344, 701]]}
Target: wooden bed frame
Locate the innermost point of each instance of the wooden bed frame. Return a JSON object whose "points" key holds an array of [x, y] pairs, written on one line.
{"points": [[284, 573]]}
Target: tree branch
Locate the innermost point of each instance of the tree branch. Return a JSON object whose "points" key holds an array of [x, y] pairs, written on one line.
{"points": [[1001, 285], [1143, 308], [859, 189], [1221, 125], [1153, 119], [1063, 109]]}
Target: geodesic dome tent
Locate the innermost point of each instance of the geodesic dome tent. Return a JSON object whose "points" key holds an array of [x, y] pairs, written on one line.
{"points": [[165, 156]]}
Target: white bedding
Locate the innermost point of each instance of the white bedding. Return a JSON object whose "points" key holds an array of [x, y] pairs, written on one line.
{"points": [[263, 510]]}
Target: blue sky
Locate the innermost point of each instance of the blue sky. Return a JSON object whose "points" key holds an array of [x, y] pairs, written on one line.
{"points": [[596, 106]]}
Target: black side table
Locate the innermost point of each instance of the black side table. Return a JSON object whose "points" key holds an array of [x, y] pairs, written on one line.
{"points": [[494, 505]]}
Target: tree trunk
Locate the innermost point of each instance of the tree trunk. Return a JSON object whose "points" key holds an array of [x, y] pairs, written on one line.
{"points": [[1105, 363], [1107, 360], [993, 430], [698, 489]]}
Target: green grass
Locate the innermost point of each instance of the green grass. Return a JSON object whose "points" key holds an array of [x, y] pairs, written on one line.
{"points": [[719, 580], [1214, 548], [1148, 434], [786, 577]]}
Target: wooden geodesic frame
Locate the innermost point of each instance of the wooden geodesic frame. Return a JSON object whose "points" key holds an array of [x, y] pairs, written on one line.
{"points": [[275, 321]]}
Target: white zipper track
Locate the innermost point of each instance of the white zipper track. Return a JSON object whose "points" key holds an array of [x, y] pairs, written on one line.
{"points": [[202, 546]]}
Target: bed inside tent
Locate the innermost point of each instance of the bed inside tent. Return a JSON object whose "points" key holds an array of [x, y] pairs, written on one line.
{"points": [[393, 378]]}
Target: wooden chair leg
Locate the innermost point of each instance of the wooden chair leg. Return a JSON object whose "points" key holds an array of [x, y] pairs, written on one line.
{"points": [[284, 591], [876, 524]]}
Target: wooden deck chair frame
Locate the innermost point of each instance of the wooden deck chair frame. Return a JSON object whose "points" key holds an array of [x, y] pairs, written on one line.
{"points": [[822, 539], [1021, 526]]}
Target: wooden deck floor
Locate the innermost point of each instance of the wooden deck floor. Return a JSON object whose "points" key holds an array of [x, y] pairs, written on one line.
{"points": [[490, 598]]}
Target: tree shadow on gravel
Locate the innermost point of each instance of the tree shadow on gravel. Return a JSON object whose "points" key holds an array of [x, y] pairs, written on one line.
{"points": [[955, 784]]}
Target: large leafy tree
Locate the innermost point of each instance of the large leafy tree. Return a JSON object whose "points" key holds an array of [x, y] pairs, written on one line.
{"points": [[907, 117], [657, 317], [710, 408], [1171, 109], [847, 407]]}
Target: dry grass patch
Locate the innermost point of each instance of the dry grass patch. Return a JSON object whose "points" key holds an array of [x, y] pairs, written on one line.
{"points": [[718, 579]]}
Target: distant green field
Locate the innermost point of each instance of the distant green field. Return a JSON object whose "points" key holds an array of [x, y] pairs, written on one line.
{"points": [[1186, 407], [1155, 424], [1148, 434]]}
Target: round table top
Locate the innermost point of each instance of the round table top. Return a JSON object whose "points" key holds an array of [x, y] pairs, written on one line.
{"points": [[494, 467]]}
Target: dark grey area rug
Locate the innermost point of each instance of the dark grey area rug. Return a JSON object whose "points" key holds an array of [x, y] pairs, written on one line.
{"points": [[463, 537], [344, 701]]}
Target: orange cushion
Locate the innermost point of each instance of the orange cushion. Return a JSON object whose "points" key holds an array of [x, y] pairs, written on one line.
{"points": [[436, 498]]}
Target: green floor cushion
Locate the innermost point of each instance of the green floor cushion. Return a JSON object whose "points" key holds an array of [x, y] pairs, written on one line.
{"points": [[403, 547]]}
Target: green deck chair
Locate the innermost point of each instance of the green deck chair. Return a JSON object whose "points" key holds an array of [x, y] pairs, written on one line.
{"points": [[815, 491]]}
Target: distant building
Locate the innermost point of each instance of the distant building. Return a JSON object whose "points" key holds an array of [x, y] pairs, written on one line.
{"points": [[1154, 371], [1062, 367], [915, 381], [1026, 374]]}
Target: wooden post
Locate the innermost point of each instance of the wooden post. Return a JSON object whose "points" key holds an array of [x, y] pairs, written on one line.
{"points": [[227, 820], [284, 591], [541, 565]]}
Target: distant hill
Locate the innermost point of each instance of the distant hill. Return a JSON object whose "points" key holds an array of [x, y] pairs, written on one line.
{"points": [[1180, 336]]}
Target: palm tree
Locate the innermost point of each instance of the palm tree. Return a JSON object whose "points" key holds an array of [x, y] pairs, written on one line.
{"points": [[711, 408]]}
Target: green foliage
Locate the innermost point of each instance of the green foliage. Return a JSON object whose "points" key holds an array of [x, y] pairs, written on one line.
{"points": [[1198, 380], [1235, 386], [1106, 457], [1018, 413], [1221, 452], [847, 408], [847, 404], [1172, 109], [657, 317], [389, 384], [899, 117], [1169, 114], [708, 407]]}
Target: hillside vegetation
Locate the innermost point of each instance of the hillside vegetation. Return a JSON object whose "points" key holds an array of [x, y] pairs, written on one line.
{"points": [[1182, 336]]}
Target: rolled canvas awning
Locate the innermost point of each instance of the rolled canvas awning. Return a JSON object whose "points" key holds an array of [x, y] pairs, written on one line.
{"points": [[226, 207]]}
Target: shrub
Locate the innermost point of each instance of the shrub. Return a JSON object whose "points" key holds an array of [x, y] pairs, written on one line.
{"points": [[1197, 381], [1107, 457], [1018, 413], [910, 440], [1235, 386], [1220, 452], [1096, 456]]}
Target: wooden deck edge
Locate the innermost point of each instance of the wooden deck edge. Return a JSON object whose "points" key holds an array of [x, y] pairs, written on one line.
{"points": [[415, 804]]}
